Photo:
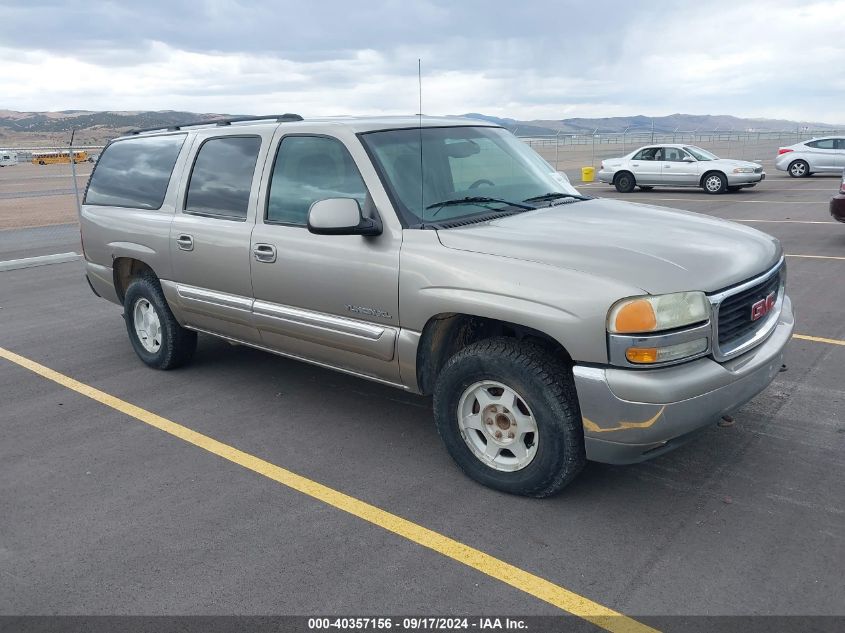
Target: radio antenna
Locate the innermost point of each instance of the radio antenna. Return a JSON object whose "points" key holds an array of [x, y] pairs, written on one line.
{"points": [[422, 188]]}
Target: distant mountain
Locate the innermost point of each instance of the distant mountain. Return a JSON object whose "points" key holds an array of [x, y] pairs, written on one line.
{"points": [[641, 123], [96, 128], [65, 121]]}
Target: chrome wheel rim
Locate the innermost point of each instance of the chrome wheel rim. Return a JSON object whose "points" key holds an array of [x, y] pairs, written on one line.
{"points": [[498, 426], [147, 325], [713, 183], [798, 169]]}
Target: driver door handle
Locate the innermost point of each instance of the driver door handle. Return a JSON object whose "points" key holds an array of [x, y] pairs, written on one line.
{"points": [[185, 242], [265, 253]]}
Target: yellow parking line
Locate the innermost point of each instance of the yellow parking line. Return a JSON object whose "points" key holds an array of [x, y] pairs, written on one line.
{"points": [[818, 339], [536, 586], [815, 256]]}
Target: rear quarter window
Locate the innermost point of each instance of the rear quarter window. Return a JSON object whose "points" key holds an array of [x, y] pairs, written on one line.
{"points": [[135, 172]]}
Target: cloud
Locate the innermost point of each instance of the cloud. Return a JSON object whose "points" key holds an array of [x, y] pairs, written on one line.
{"points": [[524, 60]]}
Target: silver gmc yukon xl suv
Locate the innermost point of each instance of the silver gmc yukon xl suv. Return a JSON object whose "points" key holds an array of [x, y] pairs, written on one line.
{"points": [[443, 257]]}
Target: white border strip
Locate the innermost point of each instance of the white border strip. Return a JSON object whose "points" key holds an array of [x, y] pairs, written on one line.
{"points": [[43, 260]]}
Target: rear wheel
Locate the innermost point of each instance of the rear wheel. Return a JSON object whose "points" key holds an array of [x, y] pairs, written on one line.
{"points": [[624, 182], [508, 414], [156, 336], [799, 169], [714, 183]]}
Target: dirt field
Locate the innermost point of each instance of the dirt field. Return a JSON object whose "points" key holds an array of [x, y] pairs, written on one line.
{"points": [[38, 195]]}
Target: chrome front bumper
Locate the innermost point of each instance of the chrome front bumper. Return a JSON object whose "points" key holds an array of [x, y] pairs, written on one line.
{"points": [[632, 415], [745, 179]]}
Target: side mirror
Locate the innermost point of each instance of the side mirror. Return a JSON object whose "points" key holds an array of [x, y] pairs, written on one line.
{"points": [[688, 159], [340, 216]]}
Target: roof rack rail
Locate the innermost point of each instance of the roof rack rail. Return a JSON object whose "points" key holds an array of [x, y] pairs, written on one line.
{"points": [[288, 116]]}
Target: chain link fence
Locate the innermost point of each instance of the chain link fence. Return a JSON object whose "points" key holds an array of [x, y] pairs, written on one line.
{"points": [[38, 211], [571, 151]]}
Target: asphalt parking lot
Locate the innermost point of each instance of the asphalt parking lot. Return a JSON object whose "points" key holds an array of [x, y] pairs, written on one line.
{"points": [[104, 514]]}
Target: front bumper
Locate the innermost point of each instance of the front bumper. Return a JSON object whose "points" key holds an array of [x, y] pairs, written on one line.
{"points": [[837, 207], [632, 415], [745, 179]]}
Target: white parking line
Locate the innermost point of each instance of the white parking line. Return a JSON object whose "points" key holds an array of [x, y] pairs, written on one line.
{"points": [[730, 200], [43, 260], [786, 221]]}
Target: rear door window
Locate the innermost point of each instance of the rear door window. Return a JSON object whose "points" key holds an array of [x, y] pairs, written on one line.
{"points": [[135, 172], [825, 143], [649, 153], [221, 179]]}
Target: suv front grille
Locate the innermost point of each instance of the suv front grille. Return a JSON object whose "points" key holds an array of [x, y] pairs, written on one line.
{"points": [[735, 325]]}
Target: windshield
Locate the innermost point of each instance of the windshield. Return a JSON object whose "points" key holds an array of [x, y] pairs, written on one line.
{"points": [[700, 154], [456, 166]]}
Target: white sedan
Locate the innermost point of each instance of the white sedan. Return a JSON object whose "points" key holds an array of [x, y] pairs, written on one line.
{"points": [[678, 165]]}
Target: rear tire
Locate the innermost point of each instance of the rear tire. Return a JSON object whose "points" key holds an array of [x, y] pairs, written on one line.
{"points": [[521, 392], [714, 183], [156, 336], [624, 182], [799, 169]]}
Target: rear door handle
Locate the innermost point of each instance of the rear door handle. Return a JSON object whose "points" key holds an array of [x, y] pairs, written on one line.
{"points": [[185, 242], [265, 253]]}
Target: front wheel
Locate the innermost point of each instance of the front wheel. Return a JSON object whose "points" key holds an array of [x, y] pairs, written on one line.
{"points": [[156, 336], [508, 414], [715, 183]]}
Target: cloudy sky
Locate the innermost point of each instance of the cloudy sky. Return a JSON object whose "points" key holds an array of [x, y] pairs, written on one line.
{"points": [[522, 59]]}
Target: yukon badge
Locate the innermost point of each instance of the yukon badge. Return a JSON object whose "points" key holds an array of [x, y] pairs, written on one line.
{"points": [[381, 314]]}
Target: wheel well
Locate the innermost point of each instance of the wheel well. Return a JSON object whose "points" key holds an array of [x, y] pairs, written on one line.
{"points": [[712, 171], [623, 171], [125, 269], [445, 335]]}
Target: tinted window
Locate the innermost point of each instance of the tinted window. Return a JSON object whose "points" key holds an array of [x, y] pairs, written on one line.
{"points": [[827, 143], [222, 177], [135, 172], [307, 169], [840, 143]]}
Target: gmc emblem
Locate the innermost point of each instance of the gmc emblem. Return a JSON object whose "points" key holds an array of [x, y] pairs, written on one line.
{"points": [[763, 306]]}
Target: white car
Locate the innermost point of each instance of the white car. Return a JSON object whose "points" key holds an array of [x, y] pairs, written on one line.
{"points": [[814, 156], [678, 165]]}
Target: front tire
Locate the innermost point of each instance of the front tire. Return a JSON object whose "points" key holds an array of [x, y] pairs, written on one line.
{"points": [[799, 169], [624, 182], [156, 336], [714, 183], [508, 414]]}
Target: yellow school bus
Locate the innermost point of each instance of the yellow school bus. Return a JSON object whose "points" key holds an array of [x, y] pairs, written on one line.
{"points": [[51, 158]]}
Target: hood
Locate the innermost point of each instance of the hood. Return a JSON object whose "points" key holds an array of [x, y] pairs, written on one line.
{"points": [[731, 163], [657, 249]]}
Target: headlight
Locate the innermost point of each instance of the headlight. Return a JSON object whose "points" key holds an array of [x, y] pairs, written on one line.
{"points": [[743, 170], [639, 315]]}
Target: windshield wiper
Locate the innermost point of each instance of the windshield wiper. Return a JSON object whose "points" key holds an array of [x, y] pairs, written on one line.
{"points": [[554, 195], [480, 201]]}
